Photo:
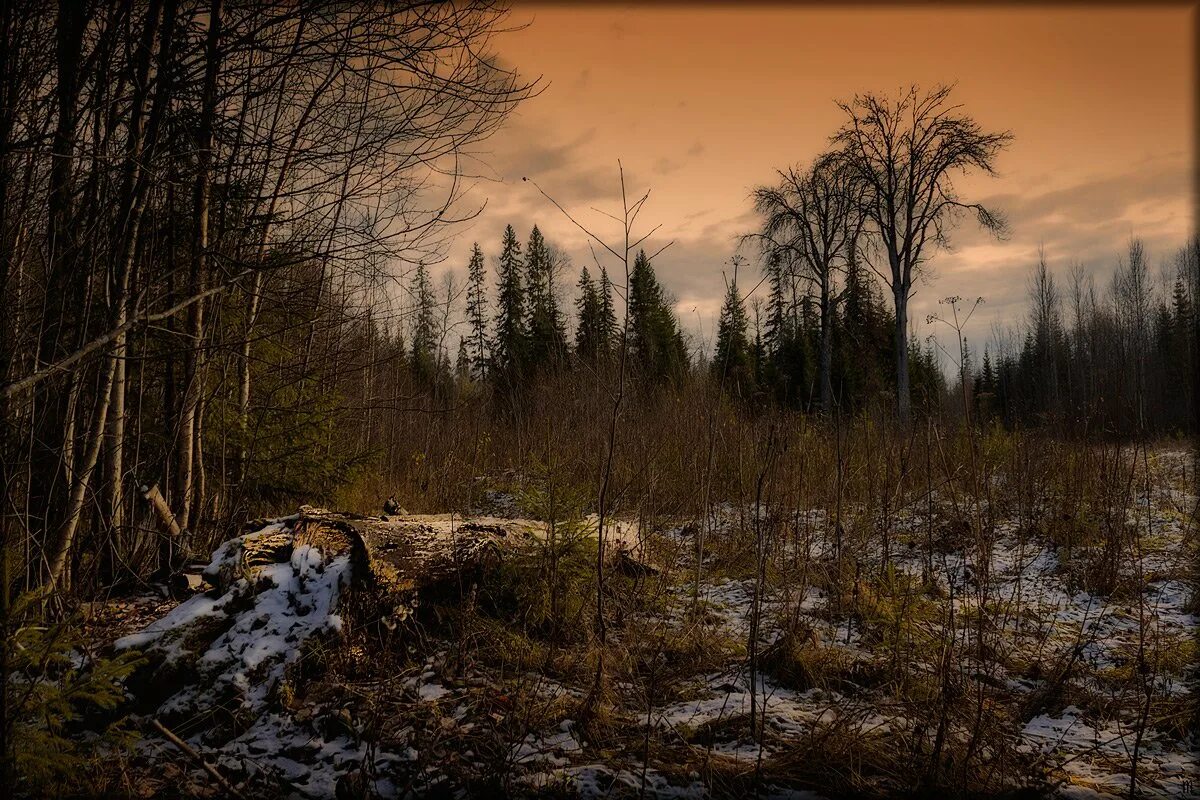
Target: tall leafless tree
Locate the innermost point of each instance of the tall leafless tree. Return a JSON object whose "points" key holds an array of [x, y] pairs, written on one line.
{"points": [[905, 152]]}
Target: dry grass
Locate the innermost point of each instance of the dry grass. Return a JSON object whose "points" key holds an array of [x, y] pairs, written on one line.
{"points": [[904, 646]]}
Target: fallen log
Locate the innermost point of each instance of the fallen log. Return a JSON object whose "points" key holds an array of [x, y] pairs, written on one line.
{"points": [[279, 592], [283, 594]]}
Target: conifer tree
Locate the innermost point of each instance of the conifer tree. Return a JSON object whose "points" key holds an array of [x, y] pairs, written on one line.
{"points": [[424, 335], [589, 334], [985, 389], [655, 344], [609, 332], [1181, 304], [775, 330], [782, 359], [732, 363], [509, 341], [547, 340], [1180, 359], [863, 339], [989, 375], [477, 348], [928, 381]]}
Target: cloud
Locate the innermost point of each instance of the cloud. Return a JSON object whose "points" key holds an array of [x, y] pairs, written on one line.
{"points": [[1090, 221], [1093, 203], [526, 151], [665, 166]]}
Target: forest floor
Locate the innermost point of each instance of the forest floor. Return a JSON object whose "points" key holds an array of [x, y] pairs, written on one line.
{"points": [[1040, 665]]}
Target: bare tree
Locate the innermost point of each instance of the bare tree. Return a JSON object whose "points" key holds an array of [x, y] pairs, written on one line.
{"points": [[811, 223], [189, 448], [1045, 302], [905, 153], [1132, 296], [621, 253], [190, 158]]}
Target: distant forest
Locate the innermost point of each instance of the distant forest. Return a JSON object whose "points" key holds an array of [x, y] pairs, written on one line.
{"points": [[1111, 357]]}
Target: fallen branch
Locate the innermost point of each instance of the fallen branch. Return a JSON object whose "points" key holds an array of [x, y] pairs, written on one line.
{"points": [[191, 753], [154, 497]]}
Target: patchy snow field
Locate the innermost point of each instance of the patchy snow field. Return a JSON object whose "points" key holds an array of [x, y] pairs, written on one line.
{"points": [[1073, 689]]}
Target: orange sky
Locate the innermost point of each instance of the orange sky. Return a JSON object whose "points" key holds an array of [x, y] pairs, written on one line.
{"points": [[703, 103]]}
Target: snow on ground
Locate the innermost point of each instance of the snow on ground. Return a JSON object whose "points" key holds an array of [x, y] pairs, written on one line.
{"points": [[552, 748], [599, 780], [1042, 618], [1099, 757]]}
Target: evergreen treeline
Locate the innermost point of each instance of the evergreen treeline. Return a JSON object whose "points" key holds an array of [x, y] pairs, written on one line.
{"points": [[1118, 358], [518, 332]]}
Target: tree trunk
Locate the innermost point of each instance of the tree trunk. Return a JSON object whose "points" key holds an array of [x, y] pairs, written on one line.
{"points": [[200, 482], [826, 355], [114, 496], [252, 306], [51, 398], [903, 397], [133, 201], [81, 473], [81, 480], [193, 368]]}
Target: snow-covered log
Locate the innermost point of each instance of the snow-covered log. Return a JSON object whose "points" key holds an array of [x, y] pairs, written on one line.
{"points": [[278, 593]]}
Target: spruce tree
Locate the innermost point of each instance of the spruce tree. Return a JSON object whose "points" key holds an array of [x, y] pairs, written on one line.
{"points": [[424, 334], [732, 363], [509, 341], [863, 340], [780, 362], [655, 344], [759, 352], [928, 382], [1181, 359], [985, 389], [775, 331], [547, 340], [589, 334], [609, 331], [477, 348]]}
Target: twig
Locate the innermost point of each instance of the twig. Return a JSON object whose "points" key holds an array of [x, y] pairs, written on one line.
{"points": [[191, 753]]}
